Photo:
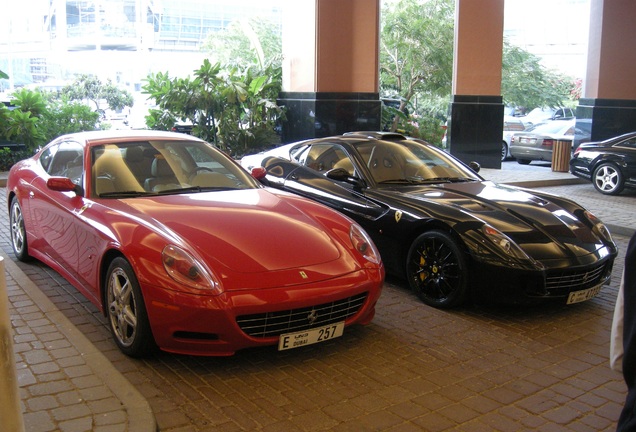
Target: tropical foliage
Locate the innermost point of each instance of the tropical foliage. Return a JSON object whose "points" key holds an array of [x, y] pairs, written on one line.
{"points": [[90, 89], [234, 109], [416, 64], [39, 117], [246, 43], [231, 102]]}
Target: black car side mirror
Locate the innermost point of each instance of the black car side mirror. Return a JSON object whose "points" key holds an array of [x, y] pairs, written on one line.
{"points": [[341, 174], [474, 166]]}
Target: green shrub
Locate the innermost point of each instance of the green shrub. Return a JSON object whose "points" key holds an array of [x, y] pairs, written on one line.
{"points": [[9, 157]]}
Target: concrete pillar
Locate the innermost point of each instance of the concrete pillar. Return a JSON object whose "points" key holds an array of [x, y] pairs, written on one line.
{"points": [[608, 105], [330, 67], [476, 123], [10, 411]]}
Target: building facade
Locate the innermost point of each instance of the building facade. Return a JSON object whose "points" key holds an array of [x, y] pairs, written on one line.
{"points": [[47, 41]]}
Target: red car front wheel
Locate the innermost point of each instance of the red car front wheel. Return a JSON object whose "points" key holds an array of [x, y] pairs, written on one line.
{"points": [[126, 310]]}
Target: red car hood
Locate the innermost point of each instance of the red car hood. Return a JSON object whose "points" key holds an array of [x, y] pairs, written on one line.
{"points": [[246, 231]]}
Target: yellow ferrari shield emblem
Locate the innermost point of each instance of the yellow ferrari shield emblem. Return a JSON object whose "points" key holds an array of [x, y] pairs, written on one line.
{"points": [[398, 215]]}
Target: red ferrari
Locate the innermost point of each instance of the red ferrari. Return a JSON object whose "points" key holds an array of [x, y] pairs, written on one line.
{"points": [[183, 250]]}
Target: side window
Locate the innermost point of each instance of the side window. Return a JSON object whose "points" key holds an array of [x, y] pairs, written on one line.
{"points": [[47, 156], [325, 157], [67, 162], [630, 143]]}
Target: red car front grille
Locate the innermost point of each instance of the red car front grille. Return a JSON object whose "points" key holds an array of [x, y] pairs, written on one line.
{"points": [[273, 324]]}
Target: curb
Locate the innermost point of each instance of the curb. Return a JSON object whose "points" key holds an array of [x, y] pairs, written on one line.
{"points": [[546, 183], [140, 415]]}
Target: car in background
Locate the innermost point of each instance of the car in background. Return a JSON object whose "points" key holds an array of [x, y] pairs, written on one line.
{"points": [[610, 164], [443, 228], [181, 248], [537, 142], [541, 115], [511, 125]]}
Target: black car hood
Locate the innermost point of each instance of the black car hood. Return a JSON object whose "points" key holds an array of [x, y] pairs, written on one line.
{"points": [[543, 229]]}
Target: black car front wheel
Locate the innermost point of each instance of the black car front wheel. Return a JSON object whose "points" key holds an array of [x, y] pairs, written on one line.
{"points": [[18, 231], [436, 270], [608, 179], [126, 310]]}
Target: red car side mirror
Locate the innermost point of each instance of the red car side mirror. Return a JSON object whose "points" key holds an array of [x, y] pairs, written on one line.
{"points": [[62, 184], [259, 173]]}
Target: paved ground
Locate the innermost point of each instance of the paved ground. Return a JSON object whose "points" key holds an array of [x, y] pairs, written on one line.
{"points": [[414, 368]]}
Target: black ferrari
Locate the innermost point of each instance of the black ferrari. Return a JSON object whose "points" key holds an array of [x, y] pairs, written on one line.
{"points": [[452, 234], [610, 165]]}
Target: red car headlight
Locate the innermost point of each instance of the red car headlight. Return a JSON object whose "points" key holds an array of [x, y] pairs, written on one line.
{"points": [[363, 244], [186, 270]]}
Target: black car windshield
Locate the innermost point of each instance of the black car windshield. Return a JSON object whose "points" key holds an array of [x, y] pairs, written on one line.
{"points": [[140, 168], [411, 162]]}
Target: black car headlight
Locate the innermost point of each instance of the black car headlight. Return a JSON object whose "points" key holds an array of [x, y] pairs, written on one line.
{"points": [[504, 243], [599, 227]]}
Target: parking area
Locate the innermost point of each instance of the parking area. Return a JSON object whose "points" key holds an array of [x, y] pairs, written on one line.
{"points": [[480, 367]]}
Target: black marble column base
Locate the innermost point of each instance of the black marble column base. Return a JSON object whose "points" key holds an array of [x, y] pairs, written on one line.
{"points": [[316, 115], [475, 129], [600, 119]]}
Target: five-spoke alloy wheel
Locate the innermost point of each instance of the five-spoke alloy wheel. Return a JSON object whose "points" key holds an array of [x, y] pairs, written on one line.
{"points": [[608, 179], [126, 310], [18, 231]]}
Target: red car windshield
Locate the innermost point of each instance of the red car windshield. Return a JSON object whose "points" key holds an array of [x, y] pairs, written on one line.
{"points": [[145, 167]]}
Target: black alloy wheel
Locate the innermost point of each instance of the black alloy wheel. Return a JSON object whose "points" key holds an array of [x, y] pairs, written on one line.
{"points": [[436, 270]]}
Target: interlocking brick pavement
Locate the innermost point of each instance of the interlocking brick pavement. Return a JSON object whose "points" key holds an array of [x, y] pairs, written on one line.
{"points": [[480, 367]]}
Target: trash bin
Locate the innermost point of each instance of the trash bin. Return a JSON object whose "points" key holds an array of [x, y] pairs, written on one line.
{"points": [[561, 155]]}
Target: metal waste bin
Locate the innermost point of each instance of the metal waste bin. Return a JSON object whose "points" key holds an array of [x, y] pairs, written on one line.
{"points": [[561, 152]]}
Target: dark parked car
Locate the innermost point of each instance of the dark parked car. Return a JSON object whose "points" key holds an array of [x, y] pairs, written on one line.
{"points": [[440, 225], [610, 165]]}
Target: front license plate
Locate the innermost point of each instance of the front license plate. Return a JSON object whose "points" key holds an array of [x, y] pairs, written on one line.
{"points": [[308, 337], [586, 294]]}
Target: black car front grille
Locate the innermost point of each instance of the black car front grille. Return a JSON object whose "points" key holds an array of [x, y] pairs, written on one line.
{"points": [[565, 281], [272, 324]]}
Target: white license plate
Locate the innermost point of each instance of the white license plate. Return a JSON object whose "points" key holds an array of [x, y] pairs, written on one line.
{"points": [[586, 294], [308, 337]]}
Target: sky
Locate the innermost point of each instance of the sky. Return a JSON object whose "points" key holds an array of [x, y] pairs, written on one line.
{"points": [[555, 30]]}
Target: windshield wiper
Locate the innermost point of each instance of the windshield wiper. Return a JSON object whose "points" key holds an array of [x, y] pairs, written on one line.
{"points": [[398, 181], [448, 180], [193, 189], [462, 179], [127, 194]]}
